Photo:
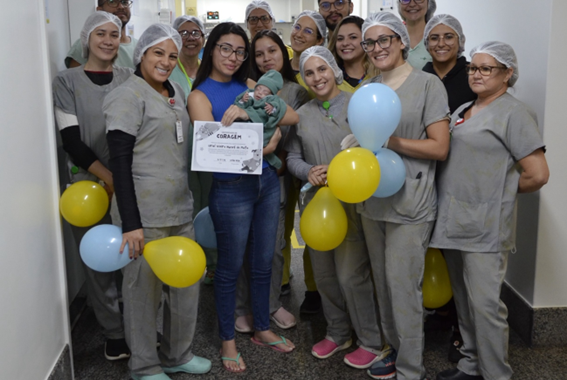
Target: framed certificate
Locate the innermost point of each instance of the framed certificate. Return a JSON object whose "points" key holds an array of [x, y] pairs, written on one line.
{"points": [[234, 149]]}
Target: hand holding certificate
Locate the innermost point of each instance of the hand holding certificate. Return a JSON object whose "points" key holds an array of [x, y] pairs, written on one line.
{"points": [[234, 149]]}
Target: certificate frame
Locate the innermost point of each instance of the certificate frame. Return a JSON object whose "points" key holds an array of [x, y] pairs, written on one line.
{"points": [[236, 149]]}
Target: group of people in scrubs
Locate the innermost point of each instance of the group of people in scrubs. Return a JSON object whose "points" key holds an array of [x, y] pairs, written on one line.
{"points": [[468, 146]]}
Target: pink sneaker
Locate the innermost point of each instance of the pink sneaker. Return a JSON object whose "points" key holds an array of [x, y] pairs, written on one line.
{"points": [[362, 359], [327, 348]]}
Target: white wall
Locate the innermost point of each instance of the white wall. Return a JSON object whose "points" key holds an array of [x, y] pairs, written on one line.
{"points": [[35, 326], [551, 267]]}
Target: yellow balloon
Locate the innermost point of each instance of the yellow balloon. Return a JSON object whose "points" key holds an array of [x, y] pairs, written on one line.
{"points": [[84, 203], [436, 284], [353, 175], [323, 224], [177, 261]]}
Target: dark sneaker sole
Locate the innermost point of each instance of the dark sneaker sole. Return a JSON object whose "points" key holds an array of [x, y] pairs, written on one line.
{"points": [[389, 376]]}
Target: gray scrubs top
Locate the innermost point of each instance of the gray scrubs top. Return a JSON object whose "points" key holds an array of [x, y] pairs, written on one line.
{"points": [[76, 94], [316, 140], [424, 102], [478, 183], [159, 166], [294, 96], [124, 59]]}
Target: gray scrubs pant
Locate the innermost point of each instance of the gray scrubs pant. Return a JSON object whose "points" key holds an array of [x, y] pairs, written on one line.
{"points": [[102, 291], [142, 291], [476, 279], [397, 254], [344, 282], [243, 283]]}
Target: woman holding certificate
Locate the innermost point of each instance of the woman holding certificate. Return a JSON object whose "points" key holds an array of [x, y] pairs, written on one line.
{"points": [[244, 208]]}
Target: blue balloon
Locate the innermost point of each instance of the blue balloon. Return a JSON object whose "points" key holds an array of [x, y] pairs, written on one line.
{"points": [[204, 229], [374, 112], [392, 173], [100, 248]]}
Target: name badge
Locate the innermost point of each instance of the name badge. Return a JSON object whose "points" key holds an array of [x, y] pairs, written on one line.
{"points": [[179, 129]]}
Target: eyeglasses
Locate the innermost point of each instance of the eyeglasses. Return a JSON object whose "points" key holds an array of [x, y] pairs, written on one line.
{"points": [[307, 31], [115, 3], [339, 4], [194, 34], [226, 51], [483, 70], [448, 38], [383, 41], [253, 20], [406, 2]]}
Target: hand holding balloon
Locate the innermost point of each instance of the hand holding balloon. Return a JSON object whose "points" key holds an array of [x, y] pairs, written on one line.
{"points": [[135, 241], [318, 175]]}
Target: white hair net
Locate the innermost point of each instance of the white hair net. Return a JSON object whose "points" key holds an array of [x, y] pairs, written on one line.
{"points": [[431, 8], [390, 21], [326, 55], [452, 23], [94, 21], [503, 53], [255, 4], [155, 34], [183, 19], [317, 18]]}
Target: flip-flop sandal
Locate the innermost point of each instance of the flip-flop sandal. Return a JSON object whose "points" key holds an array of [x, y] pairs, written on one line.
{"points": [[237, 360], [272, 345]]}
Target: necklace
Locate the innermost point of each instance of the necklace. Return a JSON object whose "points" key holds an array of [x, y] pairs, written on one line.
{"points": [[326, 106]]}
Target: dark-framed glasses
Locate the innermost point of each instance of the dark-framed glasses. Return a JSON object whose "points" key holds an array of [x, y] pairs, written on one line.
{"points": [[339, 4], [194, 34], [483, 70], [406, 2], [253, 20], [383, 41], [227, 50], [449, 39], [115, 3]]}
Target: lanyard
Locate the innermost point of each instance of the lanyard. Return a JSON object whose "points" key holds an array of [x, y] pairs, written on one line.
{"points": [[185, 72]]}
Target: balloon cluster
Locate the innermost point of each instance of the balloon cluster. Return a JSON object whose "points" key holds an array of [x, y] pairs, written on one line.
{"points": [[356, 174], [176, 260]]}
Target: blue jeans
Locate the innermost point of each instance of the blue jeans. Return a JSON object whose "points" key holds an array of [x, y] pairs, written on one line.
{"points": [[245, 213]]}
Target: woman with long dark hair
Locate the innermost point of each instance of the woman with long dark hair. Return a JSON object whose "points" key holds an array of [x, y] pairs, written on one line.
{"points": [[244, 208]]}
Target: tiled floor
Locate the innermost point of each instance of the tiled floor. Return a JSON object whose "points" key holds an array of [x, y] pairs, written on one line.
{"points": [[89, 363]]}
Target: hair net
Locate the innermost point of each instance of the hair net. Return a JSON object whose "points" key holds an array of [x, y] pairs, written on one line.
{"points": [[94, 21], [155, 34], [452, 23], [183, 19], [431, 8], [317, 18], [255, 4], [503, 53], [390, 21], [326, 55]]}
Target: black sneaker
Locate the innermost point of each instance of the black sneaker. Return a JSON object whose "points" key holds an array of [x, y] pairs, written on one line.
{"points": [[311, 304], [286, 289], [455, 348], [116, 349], [385, 368]]}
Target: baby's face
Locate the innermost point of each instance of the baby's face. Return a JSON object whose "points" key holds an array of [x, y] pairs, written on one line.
{"points": [[261, 91]]}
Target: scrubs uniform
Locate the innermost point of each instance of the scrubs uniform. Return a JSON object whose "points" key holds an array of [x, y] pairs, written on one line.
{"points": [[74, 94], [165, 204], [342, 275], [397, 229], [478, 186]]}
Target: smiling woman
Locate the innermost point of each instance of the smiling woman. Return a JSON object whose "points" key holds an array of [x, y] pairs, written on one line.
{"points": [[77, 95], [147, 125]]}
